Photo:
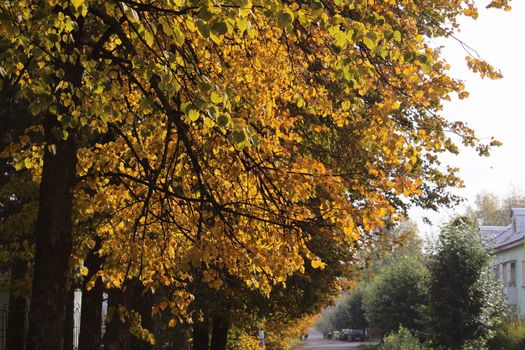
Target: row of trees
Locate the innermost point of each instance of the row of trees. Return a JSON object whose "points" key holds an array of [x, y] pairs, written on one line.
{"points": [[448, 297], [201, 161]]}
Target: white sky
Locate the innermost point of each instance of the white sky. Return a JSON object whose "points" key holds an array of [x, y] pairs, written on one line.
{"points": [[494, 108]]}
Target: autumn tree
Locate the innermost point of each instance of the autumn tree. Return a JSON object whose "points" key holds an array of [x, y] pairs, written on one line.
{"points": [[205, 137], [491, 209]]}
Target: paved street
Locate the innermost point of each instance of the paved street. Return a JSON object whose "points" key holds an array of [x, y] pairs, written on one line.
{"points": [[316, 342]]}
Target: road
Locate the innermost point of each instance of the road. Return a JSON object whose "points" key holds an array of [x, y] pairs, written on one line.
{"points": [[316, 342]]}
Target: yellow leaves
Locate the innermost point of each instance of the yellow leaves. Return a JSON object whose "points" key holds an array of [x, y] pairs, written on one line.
{"points": [[216, 97], [286, 129], [483, 68], [77, 3], [504, 4], [318, 264], [463, 95]]}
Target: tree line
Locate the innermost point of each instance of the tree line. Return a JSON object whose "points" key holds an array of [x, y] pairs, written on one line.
{"points": [[445, 298]]}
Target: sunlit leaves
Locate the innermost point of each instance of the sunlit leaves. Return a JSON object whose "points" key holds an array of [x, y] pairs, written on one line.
{"points": [[213, 133]]}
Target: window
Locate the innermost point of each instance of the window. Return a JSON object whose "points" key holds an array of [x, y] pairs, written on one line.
{"points": [[507, 273], [512, 277], [523, 273], [504, 275]]}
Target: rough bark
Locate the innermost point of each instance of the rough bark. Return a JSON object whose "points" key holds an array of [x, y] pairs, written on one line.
{"points": [[219, 334], [90, 337], [53, 243], [17, 314], [201, 335]]}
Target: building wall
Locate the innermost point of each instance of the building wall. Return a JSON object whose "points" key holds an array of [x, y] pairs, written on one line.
{"points": [[516, 254]]}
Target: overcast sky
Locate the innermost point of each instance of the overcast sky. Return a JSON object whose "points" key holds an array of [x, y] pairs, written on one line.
{"points": [[494, 108]]}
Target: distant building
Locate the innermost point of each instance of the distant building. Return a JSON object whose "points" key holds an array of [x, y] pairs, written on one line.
{"points": [[508, 245]]}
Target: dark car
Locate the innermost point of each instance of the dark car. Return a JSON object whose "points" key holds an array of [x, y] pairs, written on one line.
{"points": [[356, 335]]}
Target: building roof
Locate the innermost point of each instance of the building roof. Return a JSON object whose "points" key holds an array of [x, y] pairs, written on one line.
{"points": [[517, 211], [507, 238], [489, 233]]}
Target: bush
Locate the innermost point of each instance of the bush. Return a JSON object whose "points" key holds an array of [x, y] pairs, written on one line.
{"points": [[510, 335], [401, 340], [397, 296], [239, 339]]}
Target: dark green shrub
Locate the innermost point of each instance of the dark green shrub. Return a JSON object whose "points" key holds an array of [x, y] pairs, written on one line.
{"points": [[465, 302], [396, 297]]}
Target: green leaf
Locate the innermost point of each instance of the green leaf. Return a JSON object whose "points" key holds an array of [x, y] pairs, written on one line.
{"points": [[409, 56], [219, 28], [223, 120], [317, 5], [255, 140], [284, 19], [204, 86], [397, 36], [340, 39], [178, 36], [148, 37], [370, 40], [422, 58], [216, 97], [184, 107], [209, 123], [239, 136], [193, 115], [203, 29]]}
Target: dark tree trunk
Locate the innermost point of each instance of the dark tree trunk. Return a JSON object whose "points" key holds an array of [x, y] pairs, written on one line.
{"points": [[17, 314], [219, 334], [117, 335], [53, 243], [201, 334], [69, 322], [142, 303], [180, 340], [90, 337]]}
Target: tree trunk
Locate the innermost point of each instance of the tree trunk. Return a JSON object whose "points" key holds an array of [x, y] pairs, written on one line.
{"points": [[17, 314], [219, 334], [53, 243], [201, 335], [69, 322], [142, 303], [180, 340], [90, 337], [117, 335]]}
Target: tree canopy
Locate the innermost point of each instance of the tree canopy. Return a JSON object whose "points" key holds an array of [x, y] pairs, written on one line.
{"points": [[190, 141]]}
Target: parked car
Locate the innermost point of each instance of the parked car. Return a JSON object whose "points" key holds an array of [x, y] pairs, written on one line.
{"points": [[345, 334], [356, 335]]}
